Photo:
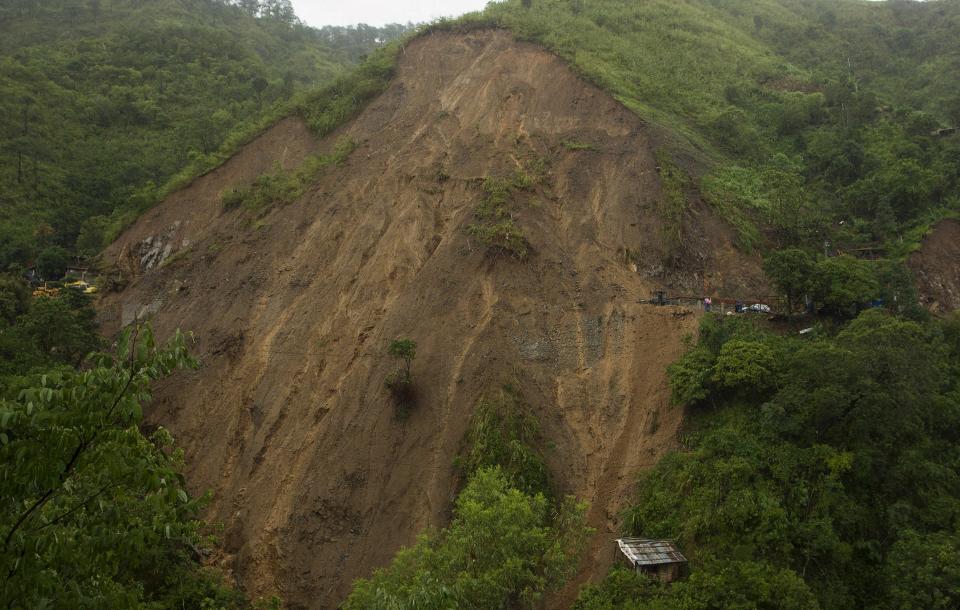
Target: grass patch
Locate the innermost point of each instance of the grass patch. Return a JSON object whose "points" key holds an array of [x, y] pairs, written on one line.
{"points": [[673, 203], [496, 228], [176, 258], [573, 145], [731, 191], [283, 187], [503, 237]]}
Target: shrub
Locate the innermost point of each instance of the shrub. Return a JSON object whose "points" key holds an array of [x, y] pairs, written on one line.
{"points": [[504, 237], [400, 381], [233, 198]]}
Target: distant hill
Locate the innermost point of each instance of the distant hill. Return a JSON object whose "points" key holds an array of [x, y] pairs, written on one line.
{"points": [[102, 102]]}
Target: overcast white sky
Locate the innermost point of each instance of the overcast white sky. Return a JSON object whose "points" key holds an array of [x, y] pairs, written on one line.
{"points": [[378, 12]]}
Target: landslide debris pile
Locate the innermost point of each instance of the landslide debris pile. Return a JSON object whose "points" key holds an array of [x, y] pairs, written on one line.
{"points": [[315, 478]]}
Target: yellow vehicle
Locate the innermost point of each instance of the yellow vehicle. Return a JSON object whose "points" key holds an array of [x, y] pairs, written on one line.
{"points": [[43, 291], [86, 287]]}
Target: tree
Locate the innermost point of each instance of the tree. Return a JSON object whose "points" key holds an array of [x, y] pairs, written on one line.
{"points": [[92, 512], [63, 332], [14, 299], [250, 7], [746, 365], [400, 381], [52, 262], [92, 235], [924, 572], [789, 207], [503, 549], [503, 433], [279, 10], [406, 351], [259, 85], [844, 284], [791, 270]]}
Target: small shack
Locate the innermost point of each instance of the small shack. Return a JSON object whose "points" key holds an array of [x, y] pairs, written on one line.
{"points": [[658, 558]]}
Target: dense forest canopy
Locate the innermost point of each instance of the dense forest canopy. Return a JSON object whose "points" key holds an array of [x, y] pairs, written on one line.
{"points": [[101, 103]]}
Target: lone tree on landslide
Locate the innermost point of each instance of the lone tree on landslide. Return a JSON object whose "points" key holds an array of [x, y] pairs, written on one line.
{"points": [[400, 382]]}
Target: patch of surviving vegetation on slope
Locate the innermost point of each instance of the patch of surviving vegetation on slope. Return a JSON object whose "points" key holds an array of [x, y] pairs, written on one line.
{"points": [[496, 227], [509, 541], [285, 186]]}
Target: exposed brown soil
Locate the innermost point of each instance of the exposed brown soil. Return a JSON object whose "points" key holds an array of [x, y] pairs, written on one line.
{"points": [[287, 422], [936, 265]]}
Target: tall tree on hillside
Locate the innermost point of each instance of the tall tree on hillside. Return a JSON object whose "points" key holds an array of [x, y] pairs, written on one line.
{"points": [[251, 7], [259, 86], [279, 10], [23, 144]]}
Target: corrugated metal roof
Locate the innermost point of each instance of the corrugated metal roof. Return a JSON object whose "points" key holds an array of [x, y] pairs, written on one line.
{"points": [[647, 552]]}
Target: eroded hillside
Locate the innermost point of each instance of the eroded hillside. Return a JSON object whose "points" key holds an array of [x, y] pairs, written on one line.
{"points": [[936, 269], [287, 421]]}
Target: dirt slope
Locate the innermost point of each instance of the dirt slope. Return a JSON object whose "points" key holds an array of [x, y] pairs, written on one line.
{"points": [[287, 421], [936, 265]]}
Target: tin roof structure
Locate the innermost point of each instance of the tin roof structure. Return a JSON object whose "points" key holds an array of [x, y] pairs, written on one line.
{"points": [[647, 552]]}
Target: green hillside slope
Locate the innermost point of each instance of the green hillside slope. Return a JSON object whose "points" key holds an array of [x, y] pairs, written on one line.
{"points": [[102, 102], [805, 114]]}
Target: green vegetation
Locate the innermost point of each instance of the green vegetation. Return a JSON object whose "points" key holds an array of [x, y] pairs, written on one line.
{"points": [[284, 187], [507, 543], [673, 202], [400, 381], [496, 228], [824, 475], [790, 270], [105, 107], [572, 145], [842, 285], [43, 334], [804, 114], [503, 433], [94, 512], [502, 549]]}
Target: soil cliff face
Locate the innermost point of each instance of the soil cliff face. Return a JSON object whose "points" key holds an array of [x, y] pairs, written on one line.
{"points": [[936, 266], [287, 421]]}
